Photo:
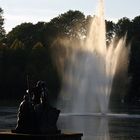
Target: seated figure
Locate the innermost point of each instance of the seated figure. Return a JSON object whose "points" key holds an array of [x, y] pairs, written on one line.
{"points": [[25, 117]]}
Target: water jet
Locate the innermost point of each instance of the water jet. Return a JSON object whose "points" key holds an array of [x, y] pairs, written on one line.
{"points": [[90, 70]]}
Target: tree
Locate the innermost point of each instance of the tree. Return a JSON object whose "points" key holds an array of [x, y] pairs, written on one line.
{"points": [[69, 25], [136, 27], [133, 26], [28, 34], [24, 32], [17, 45], [38, 45], [110, 30], [2, 31], [124, 26]]}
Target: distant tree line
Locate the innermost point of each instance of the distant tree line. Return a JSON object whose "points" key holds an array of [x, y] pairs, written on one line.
{"points": [[31, 50]]}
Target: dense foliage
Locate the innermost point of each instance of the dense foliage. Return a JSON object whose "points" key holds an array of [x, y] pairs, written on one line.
{"points": [[31, 50]]}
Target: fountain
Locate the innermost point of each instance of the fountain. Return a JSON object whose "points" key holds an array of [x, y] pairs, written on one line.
{"points": [[89, 73], [89, 78]]}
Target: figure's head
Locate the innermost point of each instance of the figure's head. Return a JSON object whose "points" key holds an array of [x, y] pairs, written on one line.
{"points": [[42, 87], [42, 90], [41, 84]]}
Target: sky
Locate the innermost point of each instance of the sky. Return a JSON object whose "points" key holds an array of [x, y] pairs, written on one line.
{"points": [[20, 11]]}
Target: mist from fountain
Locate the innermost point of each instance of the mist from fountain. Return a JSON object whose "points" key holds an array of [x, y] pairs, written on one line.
{"points": [[89, 73]]}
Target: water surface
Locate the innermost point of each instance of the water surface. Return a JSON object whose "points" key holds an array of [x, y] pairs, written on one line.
{"points": [[102, 127], [93, 126]]}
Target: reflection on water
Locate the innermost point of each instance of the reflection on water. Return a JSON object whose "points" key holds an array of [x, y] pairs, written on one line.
{"points": [[96, 127]]}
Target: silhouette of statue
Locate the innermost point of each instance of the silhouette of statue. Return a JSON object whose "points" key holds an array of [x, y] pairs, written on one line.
{"points": [[25, 120], [46, 115], [37, 116]]}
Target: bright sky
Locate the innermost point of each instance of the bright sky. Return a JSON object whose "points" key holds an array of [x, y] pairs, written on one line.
{"points": [[19, 11]]}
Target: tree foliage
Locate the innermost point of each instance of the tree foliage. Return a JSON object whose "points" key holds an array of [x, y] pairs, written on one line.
{"points": [[2, 31]]}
